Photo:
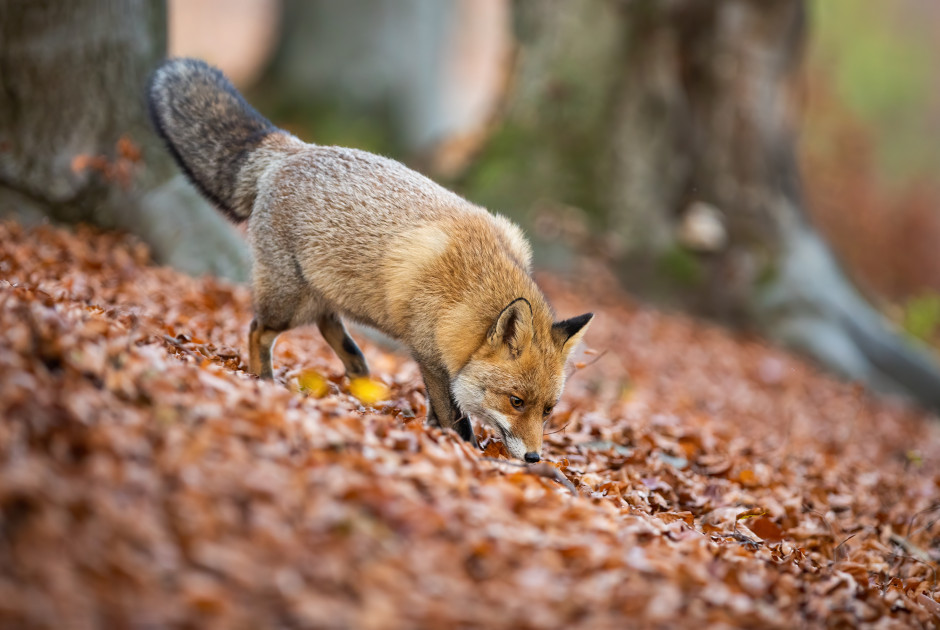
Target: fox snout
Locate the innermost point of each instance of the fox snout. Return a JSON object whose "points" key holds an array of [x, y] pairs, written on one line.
{"points": [[527, 448], [522, 452], [515, 378], [517, 449]]}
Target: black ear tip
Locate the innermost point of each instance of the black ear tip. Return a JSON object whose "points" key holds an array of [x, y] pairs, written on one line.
{"points": [[570, 327], [581, 320]]}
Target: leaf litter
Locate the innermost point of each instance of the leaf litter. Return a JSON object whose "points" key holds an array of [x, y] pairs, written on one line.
{"points": [[692, 476]]}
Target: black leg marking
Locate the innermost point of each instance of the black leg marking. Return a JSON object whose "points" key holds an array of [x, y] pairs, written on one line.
{"points": [[464, 429], [350, 346], [462, 424], [332, 329], [443, 410]]}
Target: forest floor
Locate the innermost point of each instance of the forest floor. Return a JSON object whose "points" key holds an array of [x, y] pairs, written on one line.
{"points": [[695, 477]]}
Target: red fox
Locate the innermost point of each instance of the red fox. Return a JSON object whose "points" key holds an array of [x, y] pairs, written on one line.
{"points": [[339, 232]]}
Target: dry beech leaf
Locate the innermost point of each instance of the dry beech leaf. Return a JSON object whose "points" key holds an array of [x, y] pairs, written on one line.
{"points": [[766, 529], [496, 449], [747, 477], [147, 479]]}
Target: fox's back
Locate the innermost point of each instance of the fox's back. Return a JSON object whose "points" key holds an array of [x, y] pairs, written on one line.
{"points": [[320, 187], [364, 229]]}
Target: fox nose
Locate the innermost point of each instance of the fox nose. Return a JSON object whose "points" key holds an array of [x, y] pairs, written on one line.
{"points": [[532, 457]]}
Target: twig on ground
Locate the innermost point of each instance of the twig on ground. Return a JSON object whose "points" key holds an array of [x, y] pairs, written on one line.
{"points": [[913, 550], [182, 347], [540, 470], [550, 472], [910, 523], [838, 554]]}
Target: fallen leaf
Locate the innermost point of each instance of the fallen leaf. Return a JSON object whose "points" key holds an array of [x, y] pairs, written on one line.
{"points": [[312, 383], [369, 390]]}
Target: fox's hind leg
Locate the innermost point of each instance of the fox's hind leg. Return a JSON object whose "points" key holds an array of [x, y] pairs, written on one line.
{"points": [[278, 300], [332, 329], [260, 340]]}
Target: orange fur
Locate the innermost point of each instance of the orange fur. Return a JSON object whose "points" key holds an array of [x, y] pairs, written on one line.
{"points": [[338, 232]]}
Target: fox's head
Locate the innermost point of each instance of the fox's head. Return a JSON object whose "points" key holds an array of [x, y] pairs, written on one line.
{"points": [[515, 378]]}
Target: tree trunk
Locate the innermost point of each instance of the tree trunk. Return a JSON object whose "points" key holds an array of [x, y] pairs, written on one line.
{"points": [[364, 71], [75, 140], [669, 124]]}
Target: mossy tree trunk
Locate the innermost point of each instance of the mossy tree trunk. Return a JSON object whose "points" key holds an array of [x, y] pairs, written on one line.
{"points": [[669, 124], [75, 140]]}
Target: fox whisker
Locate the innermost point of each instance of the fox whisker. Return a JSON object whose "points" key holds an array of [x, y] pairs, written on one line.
{"points": [[559, 430]]}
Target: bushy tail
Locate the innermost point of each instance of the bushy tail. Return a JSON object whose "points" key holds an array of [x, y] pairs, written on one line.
{"points": [[210, 129]]}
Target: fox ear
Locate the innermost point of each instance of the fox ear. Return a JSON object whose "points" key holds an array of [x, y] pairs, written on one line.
{"points": [[569, 332], [513, 327]]}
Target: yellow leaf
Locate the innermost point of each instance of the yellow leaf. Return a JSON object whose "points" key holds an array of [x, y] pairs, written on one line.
{"points": [[311, 383], [752, 513], [369, 391], [626, 392]]}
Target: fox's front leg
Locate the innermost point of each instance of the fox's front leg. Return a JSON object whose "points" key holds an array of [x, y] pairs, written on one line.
{"points": [[442, 410]]}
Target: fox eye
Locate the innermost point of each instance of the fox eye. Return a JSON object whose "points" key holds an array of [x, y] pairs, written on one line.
{"points": [[548, 411], [517, 402]]}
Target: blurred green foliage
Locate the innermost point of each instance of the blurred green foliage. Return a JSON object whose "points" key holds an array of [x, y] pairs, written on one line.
{"points": [[326, 121], [881, 56], [681, 267], [922, 316]]}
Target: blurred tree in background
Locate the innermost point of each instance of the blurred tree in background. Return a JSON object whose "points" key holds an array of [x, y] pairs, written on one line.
{"points": [[75, 140], [667, 128], [870, 119]]}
